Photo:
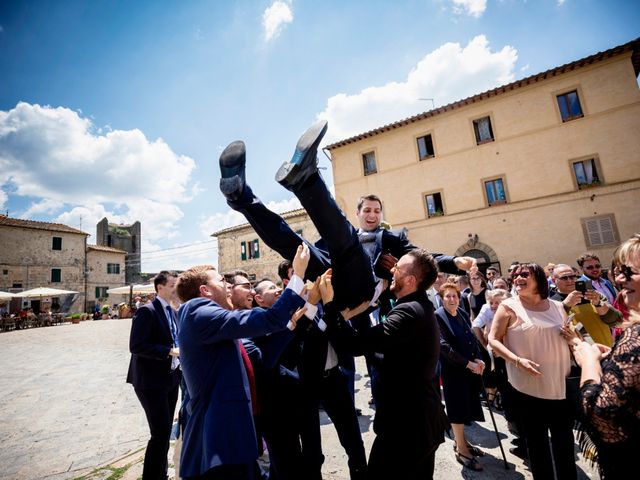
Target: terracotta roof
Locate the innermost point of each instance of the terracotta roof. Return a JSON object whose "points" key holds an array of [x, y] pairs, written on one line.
{"points": [[104, 248], [54, 227], [290, 214], [633, 47]]}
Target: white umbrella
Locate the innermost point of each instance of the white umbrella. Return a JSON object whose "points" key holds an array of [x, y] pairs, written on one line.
{"points": [[43, 292], [137, 289], [6, 295]]}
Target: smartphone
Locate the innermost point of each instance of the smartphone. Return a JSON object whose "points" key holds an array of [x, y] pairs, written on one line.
{"points": [[581, 286], [569, 319]]}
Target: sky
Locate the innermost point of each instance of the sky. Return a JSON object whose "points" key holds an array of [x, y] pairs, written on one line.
{"points": [[121, 109]]}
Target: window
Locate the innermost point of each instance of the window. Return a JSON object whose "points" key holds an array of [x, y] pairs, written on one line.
{"points": [[134, 239], [113, 268], [254, 249], [101, 292], [569, 105], [56, 275], [243, 250], [484, 132], [57, 243], [494, 189], [5, 272], [600, 231], [586, 173], [434, 205], [369, 162], [299, 232], [425, 147], [16, 285]]}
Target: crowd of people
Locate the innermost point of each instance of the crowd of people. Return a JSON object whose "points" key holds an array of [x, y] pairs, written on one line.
{"points": [[255, 360]]}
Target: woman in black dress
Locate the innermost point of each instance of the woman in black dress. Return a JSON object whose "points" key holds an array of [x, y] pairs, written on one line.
{"points": [[461, 367]]}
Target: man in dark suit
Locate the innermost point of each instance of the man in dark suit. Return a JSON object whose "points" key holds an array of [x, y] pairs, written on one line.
{"points": [[154, 370], [340, 247], [410, 421], [219, 439]]}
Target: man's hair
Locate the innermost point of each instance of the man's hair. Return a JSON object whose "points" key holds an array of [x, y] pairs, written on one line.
{"points": [[587, 256], [494, 269], [230, 277], [259, 288], [283, 269], [162, 278], [424, 268], [371, 197], [190, 280], [558, 267], [464, 280], [448, 286]]}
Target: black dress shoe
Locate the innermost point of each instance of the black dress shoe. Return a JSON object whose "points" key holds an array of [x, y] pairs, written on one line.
{"points": [[292, 174], [232, 162]]}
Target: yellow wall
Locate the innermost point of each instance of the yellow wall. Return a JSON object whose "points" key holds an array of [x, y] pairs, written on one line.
{"points": [[533, 149]]}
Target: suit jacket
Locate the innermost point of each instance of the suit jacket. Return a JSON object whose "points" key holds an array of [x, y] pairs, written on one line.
{"points": [[219, 427], [149, 343], [408, 407]]}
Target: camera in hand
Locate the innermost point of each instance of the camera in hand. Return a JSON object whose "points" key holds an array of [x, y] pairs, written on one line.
{"points": [[582, 286]]}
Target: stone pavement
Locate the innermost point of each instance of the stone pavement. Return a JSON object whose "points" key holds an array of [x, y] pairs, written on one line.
{"points": [[65, 410]]}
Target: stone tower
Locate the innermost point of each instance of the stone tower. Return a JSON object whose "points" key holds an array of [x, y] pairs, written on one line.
{"points": [[123, 237]]}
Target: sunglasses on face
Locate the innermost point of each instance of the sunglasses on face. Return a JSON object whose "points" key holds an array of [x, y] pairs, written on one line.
{"points": [[523, 274], [624, 270], [568, 277], [593, 267]]}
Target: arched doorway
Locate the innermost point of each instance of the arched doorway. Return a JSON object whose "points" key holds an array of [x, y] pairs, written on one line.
{"points": [[483, 253]]}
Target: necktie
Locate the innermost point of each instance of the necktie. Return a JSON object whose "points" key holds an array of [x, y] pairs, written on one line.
{"points": [[251, 376], [175, 361]]}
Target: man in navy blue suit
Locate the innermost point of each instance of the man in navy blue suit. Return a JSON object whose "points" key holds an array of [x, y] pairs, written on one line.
{"points": [[219, 439], [154, 370]]}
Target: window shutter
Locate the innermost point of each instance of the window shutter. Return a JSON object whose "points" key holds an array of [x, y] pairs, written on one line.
{"points": [[600, 231], [243, 250], [97, 292], [256, 249]]}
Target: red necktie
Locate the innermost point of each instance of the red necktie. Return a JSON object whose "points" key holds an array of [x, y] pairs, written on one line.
{"points": [[251, 376]]}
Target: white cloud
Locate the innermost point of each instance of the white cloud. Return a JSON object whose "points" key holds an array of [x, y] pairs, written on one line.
{"points": [[59, 157], [274, 19], [231, 218], [561, 2], [473, 8], [447, 74], [3, 199]]}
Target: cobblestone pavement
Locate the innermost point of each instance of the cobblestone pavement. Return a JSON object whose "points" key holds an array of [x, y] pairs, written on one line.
{"points": [[65, 410]]}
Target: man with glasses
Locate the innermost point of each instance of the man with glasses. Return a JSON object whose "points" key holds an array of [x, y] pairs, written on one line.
{"points": [[592, 272], [241, 290], [591, 309]]}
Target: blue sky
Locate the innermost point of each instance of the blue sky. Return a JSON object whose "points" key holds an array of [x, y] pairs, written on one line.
{"points": [[121, 109]]}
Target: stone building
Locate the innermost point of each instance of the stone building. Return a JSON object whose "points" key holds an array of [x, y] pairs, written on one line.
{"points": [[240, 248], [123, 237], [105, 269], [42, 254], [542, 169]]}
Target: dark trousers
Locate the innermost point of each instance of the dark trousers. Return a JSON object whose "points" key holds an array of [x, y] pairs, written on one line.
{"points": [[159, 406], [333, 391], [353, 278], [538, 418], [397, 457], [242, 471]]}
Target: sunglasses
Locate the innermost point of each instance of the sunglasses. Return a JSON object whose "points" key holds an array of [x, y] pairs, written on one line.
{"points": [[624, 270], [593, 267], [523, 274], [568, 277]]}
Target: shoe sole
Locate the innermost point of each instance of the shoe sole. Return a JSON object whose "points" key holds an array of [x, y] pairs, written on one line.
{"points": [[287, 174], [232, 164]]}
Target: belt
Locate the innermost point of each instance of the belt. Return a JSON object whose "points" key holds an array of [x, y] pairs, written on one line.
{"points": [[332, 371]]}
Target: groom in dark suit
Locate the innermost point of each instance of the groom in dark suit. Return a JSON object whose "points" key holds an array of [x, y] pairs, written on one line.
{"points": [[340, 247], [154, 370]]}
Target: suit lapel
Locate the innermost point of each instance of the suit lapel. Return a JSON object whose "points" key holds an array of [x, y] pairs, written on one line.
{"points": [[161, 315]]}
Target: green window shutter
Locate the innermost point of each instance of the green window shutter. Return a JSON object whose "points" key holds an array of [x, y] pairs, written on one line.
{"points": [[97, 292], [256, 249], [243, 250]]}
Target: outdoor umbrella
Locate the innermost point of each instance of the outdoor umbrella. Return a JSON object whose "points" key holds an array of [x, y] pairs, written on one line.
{"points": [[43, 292], [136, 289], [6, 295]]}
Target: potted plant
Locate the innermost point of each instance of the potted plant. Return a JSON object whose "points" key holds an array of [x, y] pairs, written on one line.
{"points": [[75, 318], [105, 312]]}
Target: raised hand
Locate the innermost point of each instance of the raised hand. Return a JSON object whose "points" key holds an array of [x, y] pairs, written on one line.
{"points": [[301, 260], [468, 264], [326, 288]]}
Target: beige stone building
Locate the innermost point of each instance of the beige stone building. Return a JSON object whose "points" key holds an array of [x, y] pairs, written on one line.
{"points": [[240, 248], [105, 269], [542, 169], [42, 254]]}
